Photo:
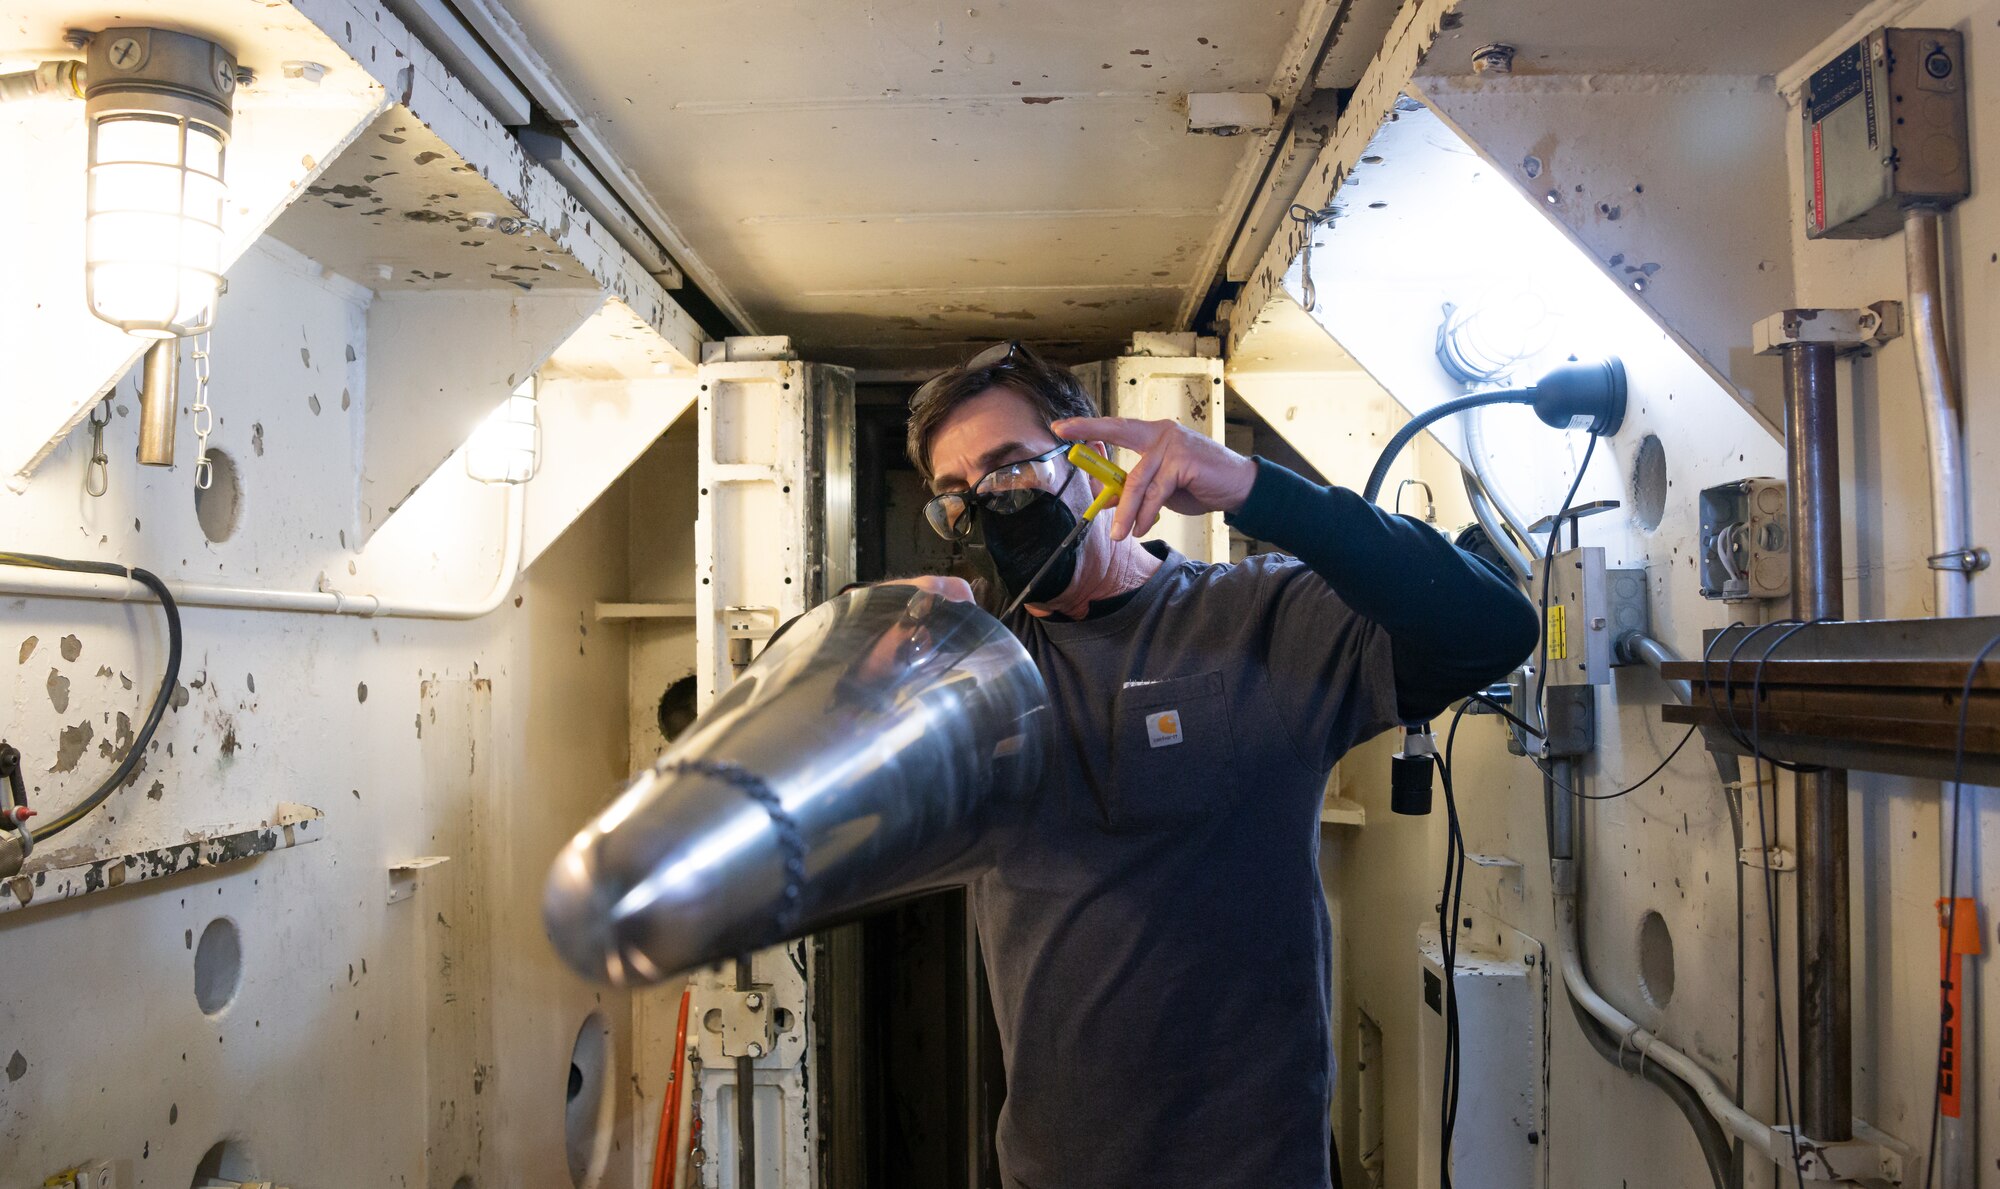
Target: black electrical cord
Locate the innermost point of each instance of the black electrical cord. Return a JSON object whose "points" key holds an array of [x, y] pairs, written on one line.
{"points": [[1635, 785], [1754, 743], [1716, 1147], [1509, 715], [1950, 972], [1451, 897], [1423, 420], [1450, 905], [168, 679], [1548, 569]]}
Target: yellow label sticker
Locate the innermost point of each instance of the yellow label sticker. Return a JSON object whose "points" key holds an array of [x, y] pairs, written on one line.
{"points": [[1558, 633]]}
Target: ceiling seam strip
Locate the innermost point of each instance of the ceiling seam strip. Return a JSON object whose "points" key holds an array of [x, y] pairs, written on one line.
{"points": [[509, 42], [1316, 24]]}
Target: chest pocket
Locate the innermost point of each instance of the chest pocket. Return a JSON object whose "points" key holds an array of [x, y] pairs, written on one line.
{"points": [[1171, 748]]}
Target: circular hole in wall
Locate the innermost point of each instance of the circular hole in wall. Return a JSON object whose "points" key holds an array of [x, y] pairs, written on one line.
{"points": [[218, 965], [219, 505], [1649, 483], [677, 708], [586, 1117], [464, 1182], [227, 1160], [1656, 959]]}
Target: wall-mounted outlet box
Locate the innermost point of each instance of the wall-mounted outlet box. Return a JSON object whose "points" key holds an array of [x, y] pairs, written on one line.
{"points": [[1745, 547]]}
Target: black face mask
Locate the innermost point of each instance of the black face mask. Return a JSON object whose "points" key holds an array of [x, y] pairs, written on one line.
{"points": [[1021, 541]]}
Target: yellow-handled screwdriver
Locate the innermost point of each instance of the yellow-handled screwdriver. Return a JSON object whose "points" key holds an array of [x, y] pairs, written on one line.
{"points": [[1106, 472]]}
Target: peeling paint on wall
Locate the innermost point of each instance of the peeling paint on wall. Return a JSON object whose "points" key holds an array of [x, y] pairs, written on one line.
{"points": [[70, 745]]}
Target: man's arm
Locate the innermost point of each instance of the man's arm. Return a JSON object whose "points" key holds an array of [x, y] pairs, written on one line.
{"points": [[1454, 623]]}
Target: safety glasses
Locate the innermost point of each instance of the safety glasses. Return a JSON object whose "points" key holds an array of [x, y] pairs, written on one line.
{"points": [[992, 359], [1003, 491]]}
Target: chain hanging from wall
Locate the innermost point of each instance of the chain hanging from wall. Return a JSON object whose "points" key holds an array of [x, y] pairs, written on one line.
{"points": [[204, 418], [97, 476]]}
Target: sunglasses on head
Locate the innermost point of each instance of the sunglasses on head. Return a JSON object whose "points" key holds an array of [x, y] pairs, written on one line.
{"points": [[992, 359]]}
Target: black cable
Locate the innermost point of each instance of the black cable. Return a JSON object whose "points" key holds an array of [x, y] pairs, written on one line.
{"points": [[1636, 785], [1510, 716], [1777, 984], [168, 679], [1548, 569], [1436, 413], [1950, 973], [1451, 897]]}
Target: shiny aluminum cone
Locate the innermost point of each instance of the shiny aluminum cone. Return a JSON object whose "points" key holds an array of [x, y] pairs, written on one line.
{"points": [[859, 758]]}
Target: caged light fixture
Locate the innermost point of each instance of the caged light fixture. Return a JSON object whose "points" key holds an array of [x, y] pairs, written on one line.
{"points": [[507, 446], [159, 107]]}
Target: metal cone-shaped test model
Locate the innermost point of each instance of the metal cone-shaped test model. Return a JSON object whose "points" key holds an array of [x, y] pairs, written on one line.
{"points": [[860, 758]]}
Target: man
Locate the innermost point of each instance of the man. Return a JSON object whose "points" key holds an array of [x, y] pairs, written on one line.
{"points": [[1154, 930]]}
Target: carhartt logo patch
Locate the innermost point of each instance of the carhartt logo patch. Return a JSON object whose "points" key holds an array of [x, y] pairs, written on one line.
{"points": [[1163, 728]]}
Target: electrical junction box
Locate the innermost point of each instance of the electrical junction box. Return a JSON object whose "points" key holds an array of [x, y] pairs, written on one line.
{"points": [[1745, 541], [1885, 130], [1499, 979], [1590, 608]]}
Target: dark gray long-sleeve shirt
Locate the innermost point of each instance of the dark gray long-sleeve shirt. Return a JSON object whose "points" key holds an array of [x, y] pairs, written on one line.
{"points": [[1154, 930]]}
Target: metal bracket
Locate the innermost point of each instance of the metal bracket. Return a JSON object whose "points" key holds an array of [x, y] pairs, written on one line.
{"points": [[748, 623], [1861, 1161], [1963, 561], [749, 1023], [403, 875], [1775, 858], [1849, 330]]}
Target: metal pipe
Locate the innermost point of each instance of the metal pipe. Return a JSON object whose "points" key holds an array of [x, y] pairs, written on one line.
{"points": [[64, 585], [746, 1103], [63, 79], [159, 403], [1475, 453], [1638, 646], [1812, 447], [1951, 539], [1760, 1136], [1951, 545], [1496, 530]]}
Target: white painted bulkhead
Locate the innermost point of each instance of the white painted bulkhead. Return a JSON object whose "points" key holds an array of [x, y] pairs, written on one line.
{"points": [[417, 1029]]}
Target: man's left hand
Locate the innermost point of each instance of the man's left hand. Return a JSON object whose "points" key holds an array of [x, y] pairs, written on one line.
{"points": [[1178, 469]]}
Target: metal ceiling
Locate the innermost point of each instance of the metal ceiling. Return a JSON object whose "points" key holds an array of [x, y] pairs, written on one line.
{"points": [[889, 181]]}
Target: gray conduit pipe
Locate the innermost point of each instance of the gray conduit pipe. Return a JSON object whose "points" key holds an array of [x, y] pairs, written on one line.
{"points": [[1719, 1105], [61, 79], [1497, 532], [1475, 453], [1951, 542]]}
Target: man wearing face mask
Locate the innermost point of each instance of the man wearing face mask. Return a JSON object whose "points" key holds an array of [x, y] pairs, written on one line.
{"points": [[1154, 931]]}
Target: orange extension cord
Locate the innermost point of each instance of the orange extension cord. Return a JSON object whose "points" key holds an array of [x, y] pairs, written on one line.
{"points": [[666, 1156]]}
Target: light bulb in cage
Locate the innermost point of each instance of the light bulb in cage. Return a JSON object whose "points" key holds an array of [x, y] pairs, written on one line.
{"points": [[507, 446], [159, 107], [1485, 342]]}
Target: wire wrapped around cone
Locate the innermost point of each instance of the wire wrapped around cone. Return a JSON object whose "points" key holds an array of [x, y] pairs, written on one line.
{"points": [[863, 756]]}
